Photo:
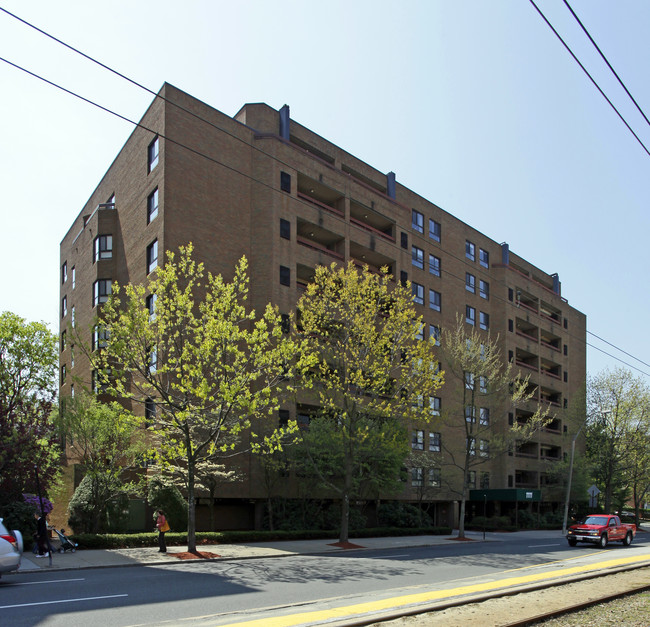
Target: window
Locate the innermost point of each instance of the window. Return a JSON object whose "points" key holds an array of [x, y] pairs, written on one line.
{"points": [[71, 355], [435, 300], [63, 372], [435, 442], [404, 240], [285, 276], [434, 230], [101, 291], [419, 331], [434, 265], [100, 335], [64, 306], [73, 320], [149, 412], [484, 289], [285, 229], [285, 182], [150, 302], [470, 282], [152, 154], [153, 360], [434, 477], [485, 480], [483, 448], [470, 315], [103, 247], [483, 385], [64, 340], [484, 416], [484, 258], [152, 206], [484, 321], [418, 440], [417, 476], [417, 257], [417, 221], [470, 414], [434, 334], [64, 272], [74, 277], [418, 293], [285, 323], [470, 250], [72, 390], [435, 403], [152, 256], [403, 278], [469, 381], [470, 444]]}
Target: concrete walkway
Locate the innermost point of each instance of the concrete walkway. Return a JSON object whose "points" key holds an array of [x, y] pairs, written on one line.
{"points": [[149, 556]]}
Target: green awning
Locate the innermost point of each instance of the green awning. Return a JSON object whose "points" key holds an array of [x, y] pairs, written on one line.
{"points": [[510, 494]]}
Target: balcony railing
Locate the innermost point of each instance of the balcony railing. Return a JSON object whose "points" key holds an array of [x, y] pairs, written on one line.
{"points": [[371, 229], [321, 205], [528, 337], [319, 247]]}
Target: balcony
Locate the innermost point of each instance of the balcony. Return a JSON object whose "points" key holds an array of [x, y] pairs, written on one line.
{"points": [[525, 359], [527, 330], [550, 340], [550, 396], [525, 479], [548, 312], [320, 239], [529, 450], [368, 219], [526, 301], [551, 369], [550, 453], [321, 196]]}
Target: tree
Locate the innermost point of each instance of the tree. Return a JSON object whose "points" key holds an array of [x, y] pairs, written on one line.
{"points": [[618, 416], [28, 375], [201, 364], [108, 441], [368, 374], [485, 388]]}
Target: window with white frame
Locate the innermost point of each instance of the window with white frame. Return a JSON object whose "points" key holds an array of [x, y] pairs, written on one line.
{"points": [[417, 476], [153, 360], [483, 448], [435, 478], [150, 301], [484, 289], [470, 282], [152, 154], [484, 258], [152, 256], [484, 416], [64, 272], [485, 480], [100, 337], [73, 320], [64, 340], [419, 331], [435, 300], [434, 230], [435, 404], [417, 443], [418, 293], [64, 306], [74, 277], [469, 381], [417, 221], [470, 250], [435, 442], [101, 291], [483, 385], [152, 206], [434, 334], [470, 315], [484, 320], [470, 413], [103, 247], [471, 479], [417, 257], [434, 265]]}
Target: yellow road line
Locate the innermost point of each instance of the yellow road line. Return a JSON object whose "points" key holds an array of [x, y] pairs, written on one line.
{"points": [[427, 597]]}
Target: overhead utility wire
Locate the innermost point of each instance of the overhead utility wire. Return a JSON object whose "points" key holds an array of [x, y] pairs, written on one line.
{"points": [[609, 65], [132, 81], [216, 161], [619, 349], [590, 77]]}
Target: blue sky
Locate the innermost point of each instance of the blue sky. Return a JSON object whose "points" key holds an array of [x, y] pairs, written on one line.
{"points": [[474, 104]]}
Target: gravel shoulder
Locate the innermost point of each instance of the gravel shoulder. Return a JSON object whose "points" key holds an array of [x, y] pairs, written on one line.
{"points": [[632, 611]]}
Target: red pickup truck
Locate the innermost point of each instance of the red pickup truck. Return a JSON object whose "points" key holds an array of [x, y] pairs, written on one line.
{"points": [[601, 529]]}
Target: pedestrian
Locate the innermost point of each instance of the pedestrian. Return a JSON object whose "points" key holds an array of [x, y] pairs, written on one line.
{"points": [[163, 527], [41, 535]]}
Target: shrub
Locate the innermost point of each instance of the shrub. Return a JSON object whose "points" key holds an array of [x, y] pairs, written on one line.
{"points": [[492, 523], [20, 516], [95, 507], [402, 515], [526, 520], [166, 496]]}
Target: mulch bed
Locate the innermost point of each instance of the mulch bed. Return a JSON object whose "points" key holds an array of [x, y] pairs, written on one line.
{"points": [[198, 555], [347, 545], [461, 539]]}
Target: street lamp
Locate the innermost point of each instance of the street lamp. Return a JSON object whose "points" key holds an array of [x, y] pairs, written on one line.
{"points": [[568, 490]]}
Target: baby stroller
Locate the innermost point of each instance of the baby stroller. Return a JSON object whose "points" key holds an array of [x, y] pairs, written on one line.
{"points": [[66, 543]]}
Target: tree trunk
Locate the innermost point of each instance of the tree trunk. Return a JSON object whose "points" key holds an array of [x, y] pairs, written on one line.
{"points": [[345, 519], [191, 507], [269, 508]]}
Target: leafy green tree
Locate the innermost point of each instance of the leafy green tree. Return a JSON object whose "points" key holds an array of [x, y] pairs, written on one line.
{"points": [[197, 359], [108, 441], [28, 438], [369, 375], [484, 389], [618, 416]]}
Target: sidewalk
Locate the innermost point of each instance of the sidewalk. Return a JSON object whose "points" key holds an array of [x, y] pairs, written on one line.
{"points": [[149, 556]]}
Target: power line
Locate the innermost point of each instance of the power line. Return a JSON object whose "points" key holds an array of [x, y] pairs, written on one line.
{"points": [[590, 77], [216, 161], [609, 65]]}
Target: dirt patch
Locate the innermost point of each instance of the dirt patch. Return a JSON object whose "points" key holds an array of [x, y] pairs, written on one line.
{"points": [[461, 539], [198, 555], [347, 545]]}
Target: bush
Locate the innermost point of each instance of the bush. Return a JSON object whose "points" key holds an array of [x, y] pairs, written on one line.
{"points": [[166, 496], [20, 516], [95, 508], [553, 520], [403, 515], [526, 520], [492, 523]]}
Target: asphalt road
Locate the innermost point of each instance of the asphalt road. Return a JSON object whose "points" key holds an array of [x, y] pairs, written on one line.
{"points": [[220, 593]]}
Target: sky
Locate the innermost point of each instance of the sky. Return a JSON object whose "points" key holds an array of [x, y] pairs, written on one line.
{"points": [[474, 104]]}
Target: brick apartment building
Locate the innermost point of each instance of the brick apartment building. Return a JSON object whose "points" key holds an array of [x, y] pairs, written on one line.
{"points": [[262, 185]]}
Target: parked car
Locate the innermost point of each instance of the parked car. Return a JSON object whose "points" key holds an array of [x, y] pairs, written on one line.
{"points": [[601, 529], [11, 549]]}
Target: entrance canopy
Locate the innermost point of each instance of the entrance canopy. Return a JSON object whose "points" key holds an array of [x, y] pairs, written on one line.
{"points": [[509, 494]]}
